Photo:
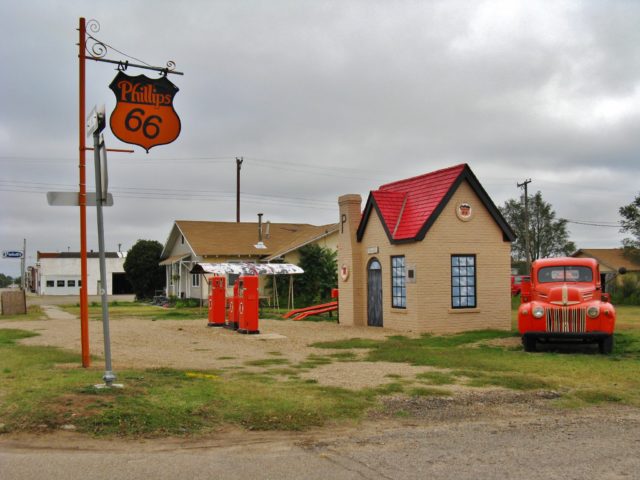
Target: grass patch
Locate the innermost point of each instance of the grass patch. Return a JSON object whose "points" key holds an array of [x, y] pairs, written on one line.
{"points": [[428, 392], [158, 402], [34, 312], [120, 310], [437, 378], [348, 344], [265, 362]]}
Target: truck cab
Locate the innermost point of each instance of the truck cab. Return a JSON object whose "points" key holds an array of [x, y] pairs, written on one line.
{"points": [[564, 302]]}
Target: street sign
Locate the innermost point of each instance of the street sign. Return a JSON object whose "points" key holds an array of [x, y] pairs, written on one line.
{"points": [[144, 113], [70, 199], [104, 174], [96, 120], [12, 254]]}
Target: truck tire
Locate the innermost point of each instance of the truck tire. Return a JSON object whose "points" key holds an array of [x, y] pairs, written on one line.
{"points": [[606, 345], [529, 344]]}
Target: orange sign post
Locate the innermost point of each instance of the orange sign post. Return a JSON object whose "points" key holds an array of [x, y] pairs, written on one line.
{"points": [[156, 128]]}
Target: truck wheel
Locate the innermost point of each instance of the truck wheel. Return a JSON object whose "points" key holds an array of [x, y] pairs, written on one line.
{"points": [[529, 344], [606, 345]]}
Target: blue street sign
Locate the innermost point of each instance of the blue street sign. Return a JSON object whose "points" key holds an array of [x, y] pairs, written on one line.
{"points": [[12, 254]]}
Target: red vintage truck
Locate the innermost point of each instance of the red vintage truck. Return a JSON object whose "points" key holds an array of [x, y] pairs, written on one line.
{"points": [[564, 301]]}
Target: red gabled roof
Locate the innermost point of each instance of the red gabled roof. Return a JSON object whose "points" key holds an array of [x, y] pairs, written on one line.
{"points": [[409, 207]]}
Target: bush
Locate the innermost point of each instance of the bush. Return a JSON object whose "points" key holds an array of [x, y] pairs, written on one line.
{"points": [[627, 292]]}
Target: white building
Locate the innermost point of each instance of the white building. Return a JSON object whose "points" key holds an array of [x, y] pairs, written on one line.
{"points": [[59, 274]]}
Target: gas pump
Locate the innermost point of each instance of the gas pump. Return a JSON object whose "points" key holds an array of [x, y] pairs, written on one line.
{"points": [[248, 299], [217, 303], [231, 319]]}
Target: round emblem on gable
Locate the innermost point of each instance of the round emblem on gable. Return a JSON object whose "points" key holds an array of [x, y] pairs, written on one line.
{"points": [[344, 273], [464, 212]]}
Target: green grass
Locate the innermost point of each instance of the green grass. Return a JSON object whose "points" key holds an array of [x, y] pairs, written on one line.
{"points": [[35, 393], [35, 390], [482, 365], [34, 312], [120, 310]]}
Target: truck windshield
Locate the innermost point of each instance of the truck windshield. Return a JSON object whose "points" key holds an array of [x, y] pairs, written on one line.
{"points": [[563, 273]]}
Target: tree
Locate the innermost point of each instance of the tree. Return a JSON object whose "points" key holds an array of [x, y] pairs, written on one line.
{"points": [[320, 274], [5, 280], [143, 269], [631, 224], [548, 236]]}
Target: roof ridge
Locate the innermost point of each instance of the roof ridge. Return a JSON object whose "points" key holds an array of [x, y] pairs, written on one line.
{"points": [[405, 180]]}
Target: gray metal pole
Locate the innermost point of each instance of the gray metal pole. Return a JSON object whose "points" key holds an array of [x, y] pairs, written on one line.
{"points": [[109, 376], [23, 260]]}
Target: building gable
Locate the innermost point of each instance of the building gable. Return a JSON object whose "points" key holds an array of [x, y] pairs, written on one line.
{"points": [[408, 208]]}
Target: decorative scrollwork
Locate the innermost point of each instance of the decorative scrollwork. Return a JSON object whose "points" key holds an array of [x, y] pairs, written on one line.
{"points": [[95, 48], [171, 65], [93, 26]]}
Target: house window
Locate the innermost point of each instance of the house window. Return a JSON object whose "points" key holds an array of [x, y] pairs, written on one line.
{"points": [[50, 283], [195, 280], [71, 283], [398, 283], [463, 281], [59, 283]]}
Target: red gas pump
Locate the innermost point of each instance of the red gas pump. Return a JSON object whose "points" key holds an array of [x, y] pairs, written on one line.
{"points": [[249, 299], [217, 304], [233, 309]]}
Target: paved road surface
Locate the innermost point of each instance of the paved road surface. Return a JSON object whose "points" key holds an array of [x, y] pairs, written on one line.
{"points": [[599, 444]]}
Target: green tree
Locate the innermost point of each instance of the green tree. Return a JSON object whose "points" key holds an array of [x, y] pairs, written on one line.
{"points": [[143, 269], [548, 235], [631, 224], [320, 274], [5, 280]]}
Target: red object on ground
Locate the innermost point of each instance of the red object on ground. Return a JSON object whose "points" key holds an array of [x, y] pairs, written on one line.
{"points": [[516, 283], [233, 309], [300, 313], [217, 302], [248, 301], [564, 302]]}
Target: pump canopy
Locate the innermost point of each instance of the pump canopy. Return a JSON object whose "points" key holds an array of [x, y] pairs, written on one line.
{"points": [[246, 268]]}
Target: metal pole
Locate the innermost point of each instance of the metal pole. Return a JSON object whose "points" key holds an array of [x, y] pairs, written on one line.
{"points": [[238, 165], [526, 223], [23, 259], [82, 200], [109, 376]]}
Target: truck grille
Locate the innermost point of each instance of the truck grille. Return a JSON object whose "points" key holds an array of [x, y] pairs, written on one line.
{"points": [[566, 320]]}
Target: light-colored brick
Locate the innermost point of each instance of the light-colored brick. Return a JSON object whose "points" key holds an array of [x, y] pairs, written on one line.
{"points": [[429, 298]]}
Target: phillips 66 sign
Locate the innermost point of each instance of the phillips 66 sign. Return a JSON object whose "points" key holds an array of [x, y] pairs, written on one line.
{"points": [[144, 114]]}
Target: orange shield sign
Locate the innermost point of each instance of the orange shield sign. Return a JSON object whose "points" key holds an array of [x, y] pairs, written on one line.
{"points": [[144, 113]]}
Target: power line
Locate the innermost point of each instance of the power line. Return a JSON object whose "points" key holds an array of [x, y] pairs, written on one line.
{"points": [[592, 224]]}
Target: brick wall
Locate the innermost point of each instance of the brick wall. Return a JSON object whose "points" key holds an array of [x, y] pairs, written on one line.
{"points": [[429, 298]]}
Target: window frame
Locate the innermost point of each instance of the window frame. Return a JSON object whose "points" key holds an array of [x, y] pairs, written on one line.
{"points": [[403, 284], [466, 276], [195, 280]]}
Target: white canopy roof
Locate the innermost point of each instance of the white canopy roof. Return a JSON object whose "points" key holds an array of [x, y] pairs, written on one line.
{"points": [[247, 268]]}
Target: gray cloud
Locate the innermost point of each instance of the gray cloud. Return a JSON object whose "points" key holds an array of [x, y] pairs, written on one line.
{"points": [[325, 98]]}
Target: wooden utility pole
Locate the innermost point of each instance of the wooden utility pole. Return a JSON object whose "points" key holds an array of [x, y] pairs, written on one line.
{"points": [[238, 165], [526, 223]]}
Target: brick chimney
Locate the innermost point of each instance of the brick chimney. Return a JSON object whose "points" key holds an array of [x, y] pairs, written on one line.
{"points": [[351, 278]]}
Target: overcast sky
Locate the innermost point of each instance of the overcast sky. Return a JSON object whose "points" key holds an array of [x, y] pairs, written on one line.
{"points": [[322, 99]]}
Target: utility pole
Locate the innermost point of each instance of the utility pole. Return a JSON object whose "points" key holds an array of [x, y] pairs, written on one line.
{"points": [[238, 166], [23, 282], [526, 223]]}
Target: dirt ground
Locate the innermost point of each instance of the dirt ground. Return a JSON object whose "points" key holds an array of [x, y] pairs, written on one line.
{"points": [[476, 433]]}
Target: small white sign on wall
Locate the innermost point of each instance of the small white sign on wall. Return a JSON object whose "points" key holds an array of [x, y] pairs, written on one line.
{"points": [[372, 250]]}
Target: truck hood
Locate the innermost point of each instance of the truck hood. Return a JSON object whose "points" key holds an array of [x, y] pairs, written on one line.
{"points": [[565, 294]]}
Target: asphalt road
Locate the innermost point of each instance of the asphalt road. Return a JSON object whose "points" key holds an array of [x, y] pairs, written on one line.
{"points": [[594, 444]]}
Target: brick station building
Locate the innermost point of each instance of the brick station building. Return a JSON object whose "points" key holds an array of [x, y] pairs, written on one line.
{"points": [[430, 253]]}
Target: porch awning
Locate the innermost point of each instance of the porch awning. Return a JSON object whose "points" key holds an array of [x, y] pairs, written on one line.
{"points": [[173, 259], [247, 268]]}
